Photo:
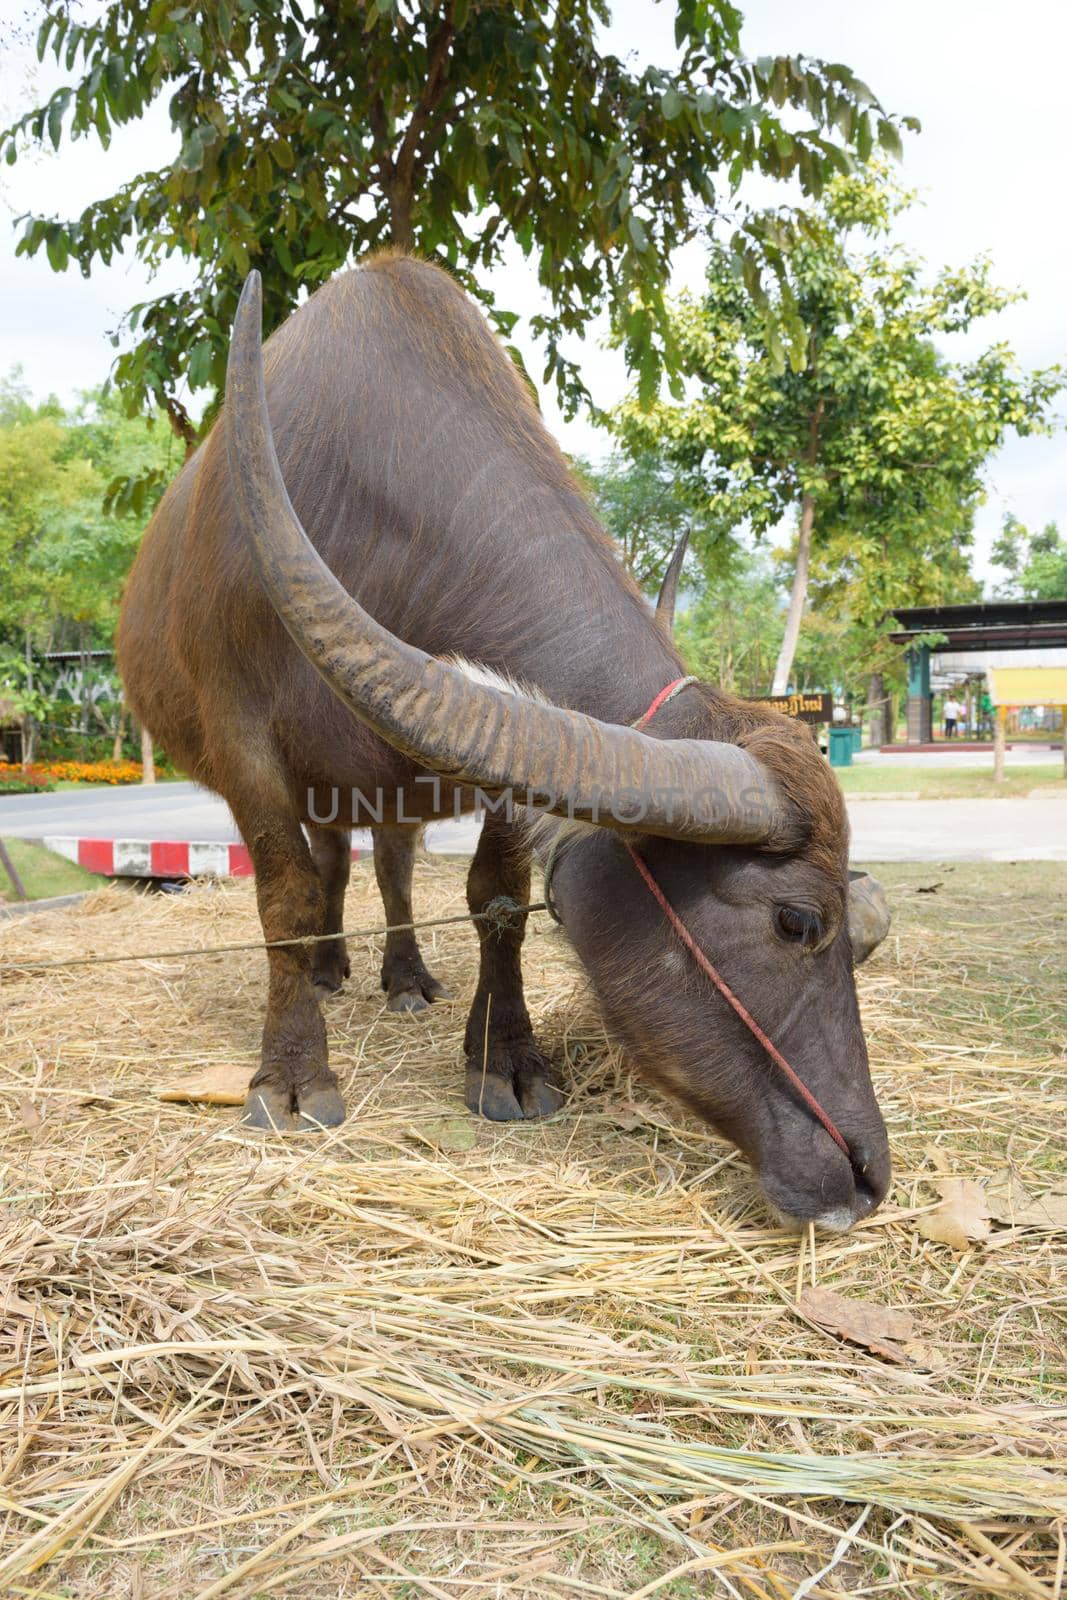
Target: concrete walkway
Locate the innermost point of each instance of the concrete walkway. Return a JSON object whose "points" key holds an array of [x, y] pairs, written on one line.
{"points": [[1020, 755], [1033, 829]]}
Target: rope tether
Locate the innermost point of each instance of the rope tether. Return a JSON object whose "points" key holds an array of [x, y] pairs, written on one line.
{"points": [[499, 912]]}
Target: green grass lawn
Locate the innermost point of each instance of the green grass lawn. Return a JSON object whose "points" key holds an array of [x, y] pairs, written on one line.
{"points": [[993, 932], [43, 873], [952, 783]]}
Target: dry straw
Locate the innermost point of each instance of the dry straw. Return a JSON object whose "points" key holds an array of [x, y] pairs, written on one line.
{"points": [[427, 1356]]}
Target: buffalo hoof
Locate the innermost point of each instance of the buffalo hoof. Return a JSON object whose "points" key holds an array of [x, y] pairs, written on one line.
{"points": [[320, 1108], [270, 1108], [412, 989], [277, 1109], [511, 1085], [330, 967], [540, 1098], [407, 1002]]}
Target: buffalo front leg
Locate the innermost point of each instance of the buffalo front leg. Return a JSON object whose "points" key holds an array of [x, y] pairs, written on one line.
{"points": [[331, 851], [294, 1087], [507, 1075], [406, 979]]}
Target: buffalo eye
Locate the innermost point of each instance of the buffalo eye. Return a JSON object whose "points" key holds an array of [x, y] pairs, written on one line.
{"points": [[799, 926]]}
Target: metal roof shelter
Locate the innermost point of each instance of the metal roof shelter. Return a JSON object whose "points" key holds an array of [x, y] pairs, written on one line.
{"points": [[78, 655], [989, 625], [1027, 638]]}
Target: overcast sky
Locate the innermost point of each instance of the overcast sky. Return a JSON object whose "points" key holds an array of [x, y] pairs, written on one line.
{"points": [[984, 76]]}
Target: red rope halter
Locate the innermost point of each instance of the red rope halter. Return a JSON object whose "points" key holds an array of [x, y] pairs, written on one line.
{"points": [[673, 688], [711, 972]]}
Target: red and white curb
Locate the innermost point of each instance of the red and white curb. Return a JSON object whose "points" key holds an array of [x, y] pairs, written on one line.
{"points": [[156, 858]]}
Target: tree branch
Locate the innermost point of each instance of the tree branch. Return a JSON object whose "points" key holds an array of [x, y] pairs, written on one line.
{"points": [[181, 423], [408, 167]]}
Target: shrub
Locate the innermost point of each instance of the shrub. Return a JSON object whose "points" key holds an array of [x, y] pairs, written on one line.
{"points": [[45, 774], [13, 780]]}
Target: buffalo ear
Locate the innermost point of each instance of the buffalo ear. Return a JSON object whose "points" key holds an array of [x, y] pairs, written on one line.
{"points": [[869, 915], [668, 593]]}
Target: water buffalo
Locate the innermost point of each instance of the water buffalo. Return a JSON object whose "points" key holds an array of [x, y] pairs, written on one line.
{"points": [[378, 580]]}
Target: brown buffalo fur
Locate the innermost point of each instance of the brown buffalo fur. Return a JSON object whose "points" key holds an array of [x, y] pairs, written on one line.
{"points": [[420, 469]]}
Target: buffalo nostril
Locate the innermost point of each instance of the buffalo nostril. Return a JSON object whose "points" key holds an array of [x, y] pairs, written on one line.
{"points": [[871, 1173]]}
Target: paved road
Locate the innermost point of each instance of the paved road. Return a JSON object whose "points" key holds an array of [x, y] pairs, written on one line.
{"points": [[158, 811], [181, 811], [882, 830]]}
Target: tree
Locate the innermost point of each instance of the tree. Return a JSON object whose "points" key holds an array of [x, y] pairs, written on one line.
{"points": [[637, 503], [917, 553], [65, 556], [40, 485], [1036, 563], [308, 134], [643, 506], [867, 434], [729, 634]]}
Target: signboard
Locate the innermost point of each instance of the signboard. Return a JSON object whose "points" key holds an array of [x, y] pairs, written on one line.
{"points": [[1027, 686], [804, 707]]}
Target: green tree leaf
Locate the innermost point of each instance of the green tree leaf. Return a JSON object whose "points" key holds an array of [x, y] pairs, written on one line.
{"points": [[305, 137], [870, 442]]}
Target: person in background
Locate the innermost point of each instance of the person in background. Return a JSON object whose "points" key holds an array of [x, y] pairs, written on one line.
{"points": [[985, 726], [951, 714]]}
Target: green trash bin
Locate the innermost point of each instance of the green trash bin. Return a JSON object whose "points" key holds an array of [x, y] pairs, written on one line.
{"points": [[840, 747], [857, 739]]}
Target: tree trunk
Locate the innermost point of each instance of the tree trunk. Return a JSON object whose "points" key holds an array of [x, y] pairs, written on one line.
{"points": [[28, 727], [120, 732], [148, 763], [999, 729], [879, 706], [796, 599], [83, 648], [402, 233]]}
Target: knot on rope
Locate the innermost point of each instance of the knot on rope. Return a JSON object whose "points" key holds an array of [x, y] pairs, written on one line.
{"points": [[502, 914]]}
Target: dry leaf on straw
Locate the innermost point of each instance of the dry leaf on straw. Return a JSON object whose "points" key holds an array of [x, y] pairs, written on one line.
{"points": [[630, 1115], [13, 1305], [449, 1133], [30, 1116], [1008, 1201], [215, 1086], [962, 1218], [884, 1330]]}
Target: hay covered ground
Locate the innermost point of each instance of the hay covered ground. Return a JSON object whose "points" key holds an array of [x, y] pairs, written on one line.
{"points": [[424, 1356]]}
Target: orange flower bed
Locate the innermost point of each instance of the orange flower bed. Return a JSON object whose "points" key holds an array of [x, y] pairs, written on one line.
{"points": [[13, 780], [48, 772]]}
